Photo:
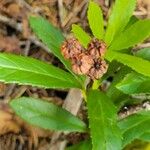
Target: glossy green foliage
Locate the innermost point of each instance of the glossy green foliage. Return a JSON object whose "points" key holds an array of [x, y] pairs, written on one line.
{"points": [[81, 35], [145, 136], [46, 115], [95, 18], [135, 126], [132, 35], [143, 53], [84, 145], [132, 20], [120, 16], [138, 64], [51, 37], [112, 91], [134, 83], [104, 132], [29, 71]]}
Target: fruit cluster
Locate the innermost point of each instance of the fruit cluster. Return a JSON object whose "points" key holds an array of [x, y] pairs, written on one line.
{"points": [[88, 61]]}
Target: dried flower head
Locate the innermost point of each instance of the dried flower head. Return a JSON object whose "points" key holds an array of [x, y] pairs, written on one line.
{"points": [[96, 48], [86, 62], [71, 48], [82, 63], [98, 69]]}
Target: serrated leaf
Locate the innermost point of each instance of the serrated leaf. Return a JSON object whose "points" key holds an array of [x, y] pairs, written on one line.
{"points": [[81, 35], [134, 83], [51, 37], [112, 91], [132, 35], [29, 71], [84, 145], [95, 18], [134, 126], [121, 13], [143, 53], [46, 115], [102, 114], [138, 64]]}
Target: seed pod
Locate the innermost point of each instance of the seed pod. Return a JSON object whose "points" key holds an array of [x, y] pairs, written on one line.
{"points": [[96, 48], [71, 48], [82, 63], [98, 69]]}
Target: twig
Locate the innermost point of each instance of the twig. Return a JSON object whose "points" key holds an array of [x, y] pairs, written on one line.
{"points": [[34, 40], [25, 4], [135, 109], [11, 22], [72, 103], [61, 12], [74, 13], [18, 27], [9, 92], [144, 45], [27, 47], [140, 13]]}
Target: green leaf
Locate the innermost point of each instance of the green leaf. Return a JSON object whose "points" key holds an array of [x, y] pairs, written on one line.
{"points": [[95, 18], [138, 64], [120, 16], [84, 145], [145, 136], [132, 35], [132, 20], [143, 53], [112, 91], [46, 115], [81, 35], [134, 83], [102, 115], [134, 126], [29, 71], [51, 37]]}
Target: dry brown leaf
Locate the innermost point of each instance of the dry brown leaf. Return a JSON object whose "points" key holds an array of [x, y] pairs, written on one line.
{"points": [[9, 44], [7, 122], [10, 123], [14, 10], [26, 30], [2, 89], [144, 5], [14, 142]]}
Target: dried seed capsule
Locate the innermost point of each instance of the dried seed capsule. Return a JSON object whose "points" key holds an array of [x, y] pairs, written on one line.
{"points": [[96, 48], [71, 48], [82, 63], [98, 69]]}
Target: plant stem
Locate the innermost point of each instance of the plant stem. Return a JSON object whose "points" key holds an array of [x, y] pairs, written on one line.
{"points": [[84, 95], [96, 84]]}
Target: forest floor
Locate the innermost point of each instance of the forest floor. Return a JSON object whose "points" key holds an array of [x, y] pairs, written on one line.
{"points": [[16, 37]]}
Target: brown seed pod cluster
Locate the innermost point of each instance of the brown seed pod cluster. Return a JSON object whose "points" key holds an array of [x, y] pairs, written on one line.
{"points": [[71, 48], [88, 61], [96, 48]]}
